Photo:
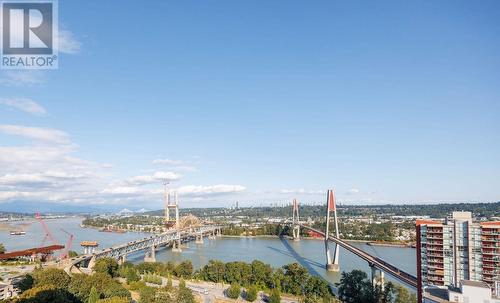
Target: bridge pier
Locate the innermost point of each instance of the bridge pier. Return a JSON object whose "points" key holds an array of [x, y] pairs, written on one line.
{"points": [[176, 244], [296, 233], [377, 280], [91, 263], [199, 238], [122, 259], [151, 255], [218, 232]]}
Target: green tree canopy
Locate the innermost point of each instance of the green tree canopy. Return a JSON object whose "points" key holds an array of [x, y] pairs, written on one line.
{"points": [[106, 265], [184, 269], [51, 276]]}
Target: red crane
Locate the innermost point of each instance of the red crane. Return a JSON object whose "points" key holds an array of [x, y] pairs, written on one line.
{"points": [[48, 235], [64, 253]]}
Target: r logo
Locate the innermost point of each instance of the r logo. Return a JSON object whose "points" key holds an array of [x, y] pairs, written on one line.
{"points": [[28, 28]]}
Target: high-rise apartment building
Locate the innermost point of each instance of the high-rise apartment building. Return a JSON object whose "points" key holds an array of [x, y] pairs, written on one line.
{"points": [[458, 249]]}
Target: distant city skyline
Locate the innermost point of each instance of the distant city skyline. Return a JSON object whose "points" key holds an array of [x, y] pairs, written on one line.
{"points": [[386, 102]]}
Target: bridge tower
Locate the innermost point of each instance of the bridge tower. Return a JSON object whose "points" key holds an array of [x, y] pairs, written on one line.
{"points": [[172, 206], [332, 264], [296, 221]]}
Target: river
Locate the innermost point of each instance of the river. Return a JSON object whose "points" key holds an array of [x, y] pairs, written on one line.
{"points": [[274, 251]]}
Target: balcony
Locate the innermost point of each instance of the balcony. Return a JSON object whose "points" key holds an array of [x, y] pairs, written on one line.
{"points": [[435, 280], [439, 269], [493, 266], [434, 243], [439, 261], [435, 248], [435, 231], [486, 232], [490, 239], [435, 255], [434, 237]]}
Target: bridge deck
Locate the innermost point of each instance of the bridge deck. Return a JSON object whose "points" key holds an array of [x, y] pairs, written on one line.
{"points": [[31, 251], [390, 269]]}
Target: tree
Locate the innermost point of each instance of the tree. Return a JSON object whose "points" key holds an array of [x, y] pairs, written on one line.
{"points": [[93, 296], [213, 271], [403, 295], [72, 254], [275, 296], [51, 276], [2, 248], [184, 269], [81, 286], [251, 293], [164, 295], [114, 300], [184, 295], [147, 294], [353, 287], [47, 293], [130, 274], [296, 277], [26, 283], [106, 265], [317, 287], [261, 273], [234, 291], [276, 278]]}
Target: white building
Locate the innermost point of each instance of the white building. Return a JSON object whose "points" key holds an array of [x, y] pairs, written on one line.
{"points": [[469, 292]]}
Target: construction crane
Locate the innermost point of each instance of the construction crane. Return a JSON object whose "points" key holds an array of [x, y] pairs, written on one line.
{"points": [[48, 234], [69, 243]]}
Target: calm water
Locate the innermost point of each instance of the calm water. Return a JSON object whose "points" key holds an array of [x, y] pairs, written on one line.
{"points": [[277, 252]]}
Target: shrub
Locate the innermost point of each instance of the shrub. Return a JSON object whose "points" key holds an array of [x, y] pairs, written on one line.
{"points": [[251, 294], [275, 296], [152, 278], [234, 291]]}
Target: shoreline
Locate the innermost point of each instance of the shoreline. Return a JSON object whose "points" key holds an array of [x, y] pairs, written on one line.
{"points": [[367, 242], [371, 243]]}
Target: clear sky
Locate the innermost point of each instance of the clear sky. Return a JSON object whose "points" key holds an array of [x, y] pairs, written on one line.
{"points": [[259, 102]]}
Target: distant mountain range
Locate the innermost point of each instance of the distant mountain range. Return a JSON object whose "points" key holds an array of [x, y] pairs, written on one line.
{"points": [[45, 207]]}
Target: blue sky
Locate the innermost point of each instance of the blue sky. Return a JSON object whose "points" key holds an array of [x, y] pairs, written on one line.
{"points": [[259, 102]]}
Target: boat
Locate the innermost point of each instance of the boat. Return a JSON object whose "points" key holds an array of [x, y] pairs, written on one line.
{"points": [[17, 232], [108, 229]]}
